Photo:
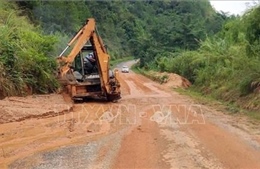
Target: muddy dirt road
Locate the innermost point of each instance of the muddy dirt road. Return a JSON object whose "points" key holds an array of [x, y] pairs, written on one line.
{"points": [[151, 127]]}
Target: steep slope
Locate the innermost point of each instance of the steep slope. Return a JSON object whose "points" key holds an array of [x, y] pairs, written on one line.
{"points": [[24, 50]]}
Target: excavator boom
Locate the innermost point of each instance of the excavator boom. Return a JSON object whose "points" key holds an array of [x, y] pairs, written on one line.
{"points": [[78, 80]]}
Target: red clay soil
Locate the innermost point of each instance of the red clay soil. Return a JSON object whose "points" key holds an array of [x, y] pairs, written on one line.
{"points": [[151, 127]]}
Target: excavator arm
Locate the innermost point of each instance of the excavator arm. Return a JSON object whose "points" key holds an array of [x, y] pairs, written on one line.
{"points": [[80, 39], [110, 87]]}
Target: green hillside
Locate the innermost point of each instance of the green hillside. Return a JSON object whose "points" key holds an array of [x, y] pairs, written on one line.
{"points": [[139, 28], [25, 62], [218, 53]]}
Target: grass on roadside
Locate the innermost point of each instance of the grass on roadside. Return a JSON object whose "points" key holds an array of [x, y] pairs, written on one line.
{"points": [[210, 101], [219, 105]]}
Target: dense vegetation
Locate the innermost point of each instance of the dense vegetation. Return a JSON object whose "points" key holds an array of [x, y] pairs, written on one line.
{"points": [[41, 29], [218, 53], [139, 28], [24, 50], [226, 65]]}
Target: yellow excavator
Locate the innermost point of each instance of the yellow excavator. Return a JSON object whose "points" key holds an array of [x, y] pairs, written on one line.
{"points": [[85, 71]]}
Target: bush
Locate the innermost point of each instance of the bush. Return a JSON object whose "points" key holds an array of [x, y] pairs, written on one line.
{"points": [[25, 61]]}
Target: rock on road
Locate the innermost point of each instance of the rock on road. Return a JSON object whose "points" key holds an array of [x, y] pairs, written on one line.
{"points": [[151, 127]]}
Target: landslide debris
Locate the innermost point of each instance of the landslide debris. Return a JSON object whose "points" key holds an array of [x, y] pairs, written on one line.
{"points": [[14, 109]]}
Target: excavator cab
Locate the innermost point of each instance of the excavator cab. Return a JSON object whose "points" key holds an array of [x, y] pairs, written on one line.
{"points": [[85, 64], [85, 69], [85, 72]]}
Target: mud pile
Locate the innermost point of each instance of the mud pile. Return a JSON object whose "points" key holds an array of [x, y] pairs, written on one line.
{"points": [[176, 81], [37, 106], [171, 79]]}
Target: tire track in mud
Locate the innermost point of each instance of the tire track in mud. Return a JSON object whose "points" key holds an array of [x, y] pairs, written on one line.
{"points": [[16, 109], [150, 127], [184, 149], [144, 90], [35, 136], [88, 155], [189, 140]]}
